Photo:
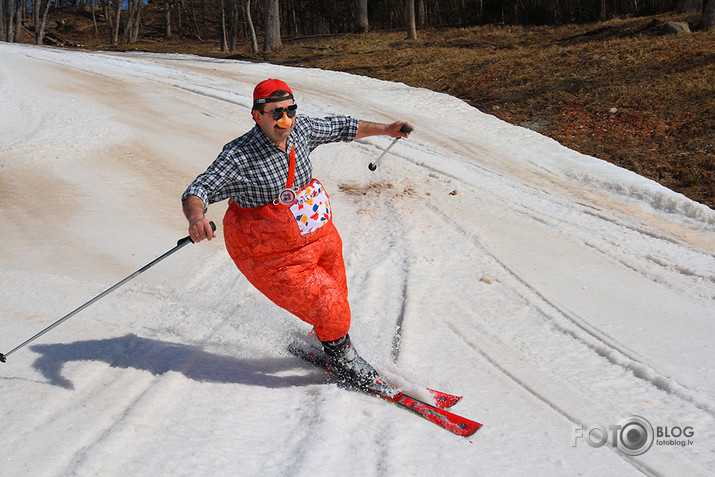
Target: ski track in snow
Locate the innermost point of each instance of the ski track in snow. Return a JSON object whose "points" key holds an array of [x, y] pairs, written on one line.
{"points": [[578, 338], [483, 259]]}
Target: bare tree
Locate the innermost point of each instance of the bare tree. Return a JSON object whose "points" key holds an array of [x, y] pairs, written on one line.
{"points": [[39, 18], [178, 22], [117, 21], [18, 21], [273, 26], [92, 8], [167, 18], [251, 29], [361, 19], [411, 22], [480, 9], [130, 28], [706, 20], [2, 20], [223, 38], [137, 21], [232, 24], [7, 16], [8, 20], [131, 4]]}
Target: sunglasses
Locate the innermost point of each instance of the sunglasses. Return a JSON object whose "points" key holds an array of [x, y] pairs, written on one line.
{"points": [[278, 112]]}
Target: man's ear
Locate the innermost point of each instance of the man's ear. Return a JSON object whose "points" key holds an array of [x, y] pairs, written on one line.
{"points": [[257, 116]]}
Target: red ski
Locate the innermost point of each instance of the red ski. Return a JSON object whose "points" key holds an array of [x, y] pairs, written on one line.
{"points": [[447, 420], [436, 413]]}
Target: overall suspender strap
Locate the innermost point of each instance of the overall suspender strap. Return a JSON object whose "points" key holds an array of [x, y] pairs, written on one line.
{"points": [[291, 168], [287, 195]]}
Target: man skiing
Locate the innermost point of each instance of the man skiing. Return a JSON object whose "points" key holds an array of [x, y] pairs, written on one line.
{"points": [[278, 227]]}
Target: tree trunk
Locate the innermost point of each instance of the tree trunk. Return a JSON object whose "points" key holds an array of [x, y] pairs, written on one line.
{"points": [[179, 23], [131, 5], [137, 21], [36, 9], [251, 29], [293, 20], [18, 22], [361, 20], [273, 26], [223, 39], [131, 30], [421, 12], [40, 29], [117, 22], [195, 19], [10, 18], [167, 19], [108, 16], [411, 25], [233, 25], [92, 6], [706, 21], [2, 21]]}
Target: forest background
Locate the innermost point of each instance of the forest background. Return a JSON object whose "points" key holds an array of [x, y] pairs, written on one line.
{"points": [[628, 81]]}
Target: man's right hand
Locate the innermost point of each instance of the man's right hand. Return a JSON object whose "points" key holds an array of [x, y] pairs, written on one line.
{"points": [[199, 225], [201, 229]]}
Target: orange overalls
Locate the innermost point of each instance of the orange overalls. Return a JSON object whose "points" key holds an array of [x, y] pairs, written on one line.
{"points": [[300, 271]]}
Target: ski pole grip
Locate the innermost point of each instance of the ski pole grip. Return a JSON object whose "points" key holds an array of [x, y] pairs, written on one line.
{"points": [[406, 128], [187, 239]]}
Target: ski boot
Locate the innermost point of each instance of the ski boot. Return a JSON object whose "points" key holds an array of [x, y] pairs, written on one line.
{"points": [[352, 368]]}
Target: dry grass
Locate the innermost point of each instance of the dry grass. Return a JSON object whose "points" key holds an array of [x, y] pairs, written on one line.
{"points": [[617, 90]]}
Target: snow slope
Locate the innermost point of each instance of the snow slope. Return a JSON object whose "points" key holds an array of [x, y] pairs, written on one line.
{"points": [[553, 290]]}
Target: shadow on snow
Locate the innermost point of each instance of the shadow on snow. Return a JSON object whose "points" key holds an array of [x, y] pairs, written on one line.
{"points": [[160, 357]]}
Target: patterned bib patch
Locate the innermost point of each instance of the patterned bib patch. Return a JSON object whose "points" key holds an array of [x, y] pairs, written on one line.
{"points": [[311, 208]]}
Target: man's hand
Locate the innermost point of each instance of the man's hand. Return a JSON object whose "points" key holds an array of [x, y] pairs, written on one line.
{"points": [[395, 129], [201, 229], [199, 225]]}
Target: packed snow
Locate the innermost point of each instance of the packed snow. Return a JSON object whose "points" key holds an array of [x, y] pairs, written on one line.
{"points": [[556, 292]]}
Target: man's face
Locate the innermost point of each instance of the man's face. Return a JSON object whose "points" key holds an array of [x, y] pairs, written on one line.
{"points": [[276, 130]]}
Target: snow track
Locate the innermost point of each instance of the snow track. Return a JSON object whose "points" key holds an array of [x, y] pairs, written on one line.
{"points": [[554, 291]]}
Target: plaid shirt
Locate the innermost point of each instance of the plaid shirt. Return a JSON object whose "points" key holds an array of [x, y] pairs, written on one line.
{"points": [[252, 170]]}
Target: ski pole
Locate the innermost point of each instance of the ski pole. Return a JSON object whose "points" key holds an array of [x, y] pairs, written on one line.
{"points": [[184, 241], [373, 165]]}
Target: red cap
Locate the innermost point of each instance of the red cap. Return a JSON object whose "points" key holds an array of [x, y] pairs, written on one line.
{"points": [[264, 89]]}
